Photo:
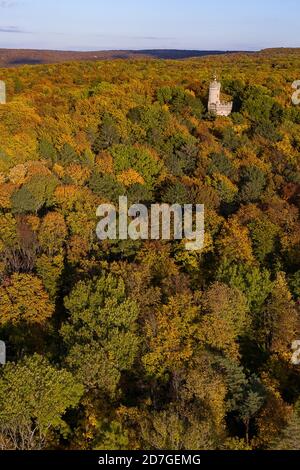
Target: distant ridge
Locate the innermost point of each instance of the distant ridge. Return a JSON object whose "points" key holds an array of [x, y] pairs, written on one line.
{"points": [[17, 57]]}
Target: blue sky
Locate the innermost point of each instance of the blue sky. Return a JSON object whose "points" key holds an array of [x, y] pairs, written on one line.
{"points": [[149, 24]]}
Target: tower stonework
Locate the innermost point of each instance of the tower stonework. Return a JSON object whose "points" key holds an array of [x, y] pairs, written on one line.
{"points": [[2, 92], [215, 105]]}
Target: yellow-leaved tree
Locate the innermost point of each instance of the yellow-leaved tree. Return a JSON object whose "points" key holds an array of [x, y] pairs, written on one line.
{"points": [[24, 299]]}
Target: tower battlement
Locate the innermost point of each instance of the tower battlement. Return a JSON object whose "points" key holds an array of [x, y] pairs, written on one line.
{"points": [[215, 105]]}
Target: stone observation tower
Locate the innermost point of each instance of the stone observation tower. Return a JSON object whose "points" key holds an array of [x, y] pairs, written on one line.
{"points": [[215, 105], [2, 93]]}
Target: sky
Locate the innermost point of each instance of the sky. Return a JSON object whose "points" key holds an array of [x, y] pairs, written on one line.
{"points": [[149, 24]]}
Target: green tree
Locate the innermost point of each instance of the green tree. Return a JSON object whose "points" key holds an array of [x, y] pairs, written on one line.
{"points": [[139, 159], [34, 195], [224, 318], [101, 332], [34, 397], [47, 151], [252, 402], [252, 183], [108, 134], [107, 187], [263, 234], [50, 269], [68, 155], [279, 322], [255, 284]]}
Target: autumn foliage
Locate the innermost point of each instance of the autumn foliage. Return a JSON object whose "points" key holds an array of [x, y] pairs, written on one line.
{"points": [[151, 346]]}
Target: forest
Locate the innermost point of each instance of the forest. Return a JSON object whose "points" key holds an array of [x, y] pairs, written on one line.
{"points": [[129, 345]]}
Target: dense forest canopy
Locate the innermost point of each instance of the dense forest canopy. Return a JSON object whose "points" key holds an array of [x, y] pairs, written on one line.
{"points": [[144, 345]]}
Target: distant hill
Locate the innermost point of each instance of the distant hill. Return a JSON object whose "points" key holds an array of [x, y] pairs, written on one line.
{"points": [[16, 57]]}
